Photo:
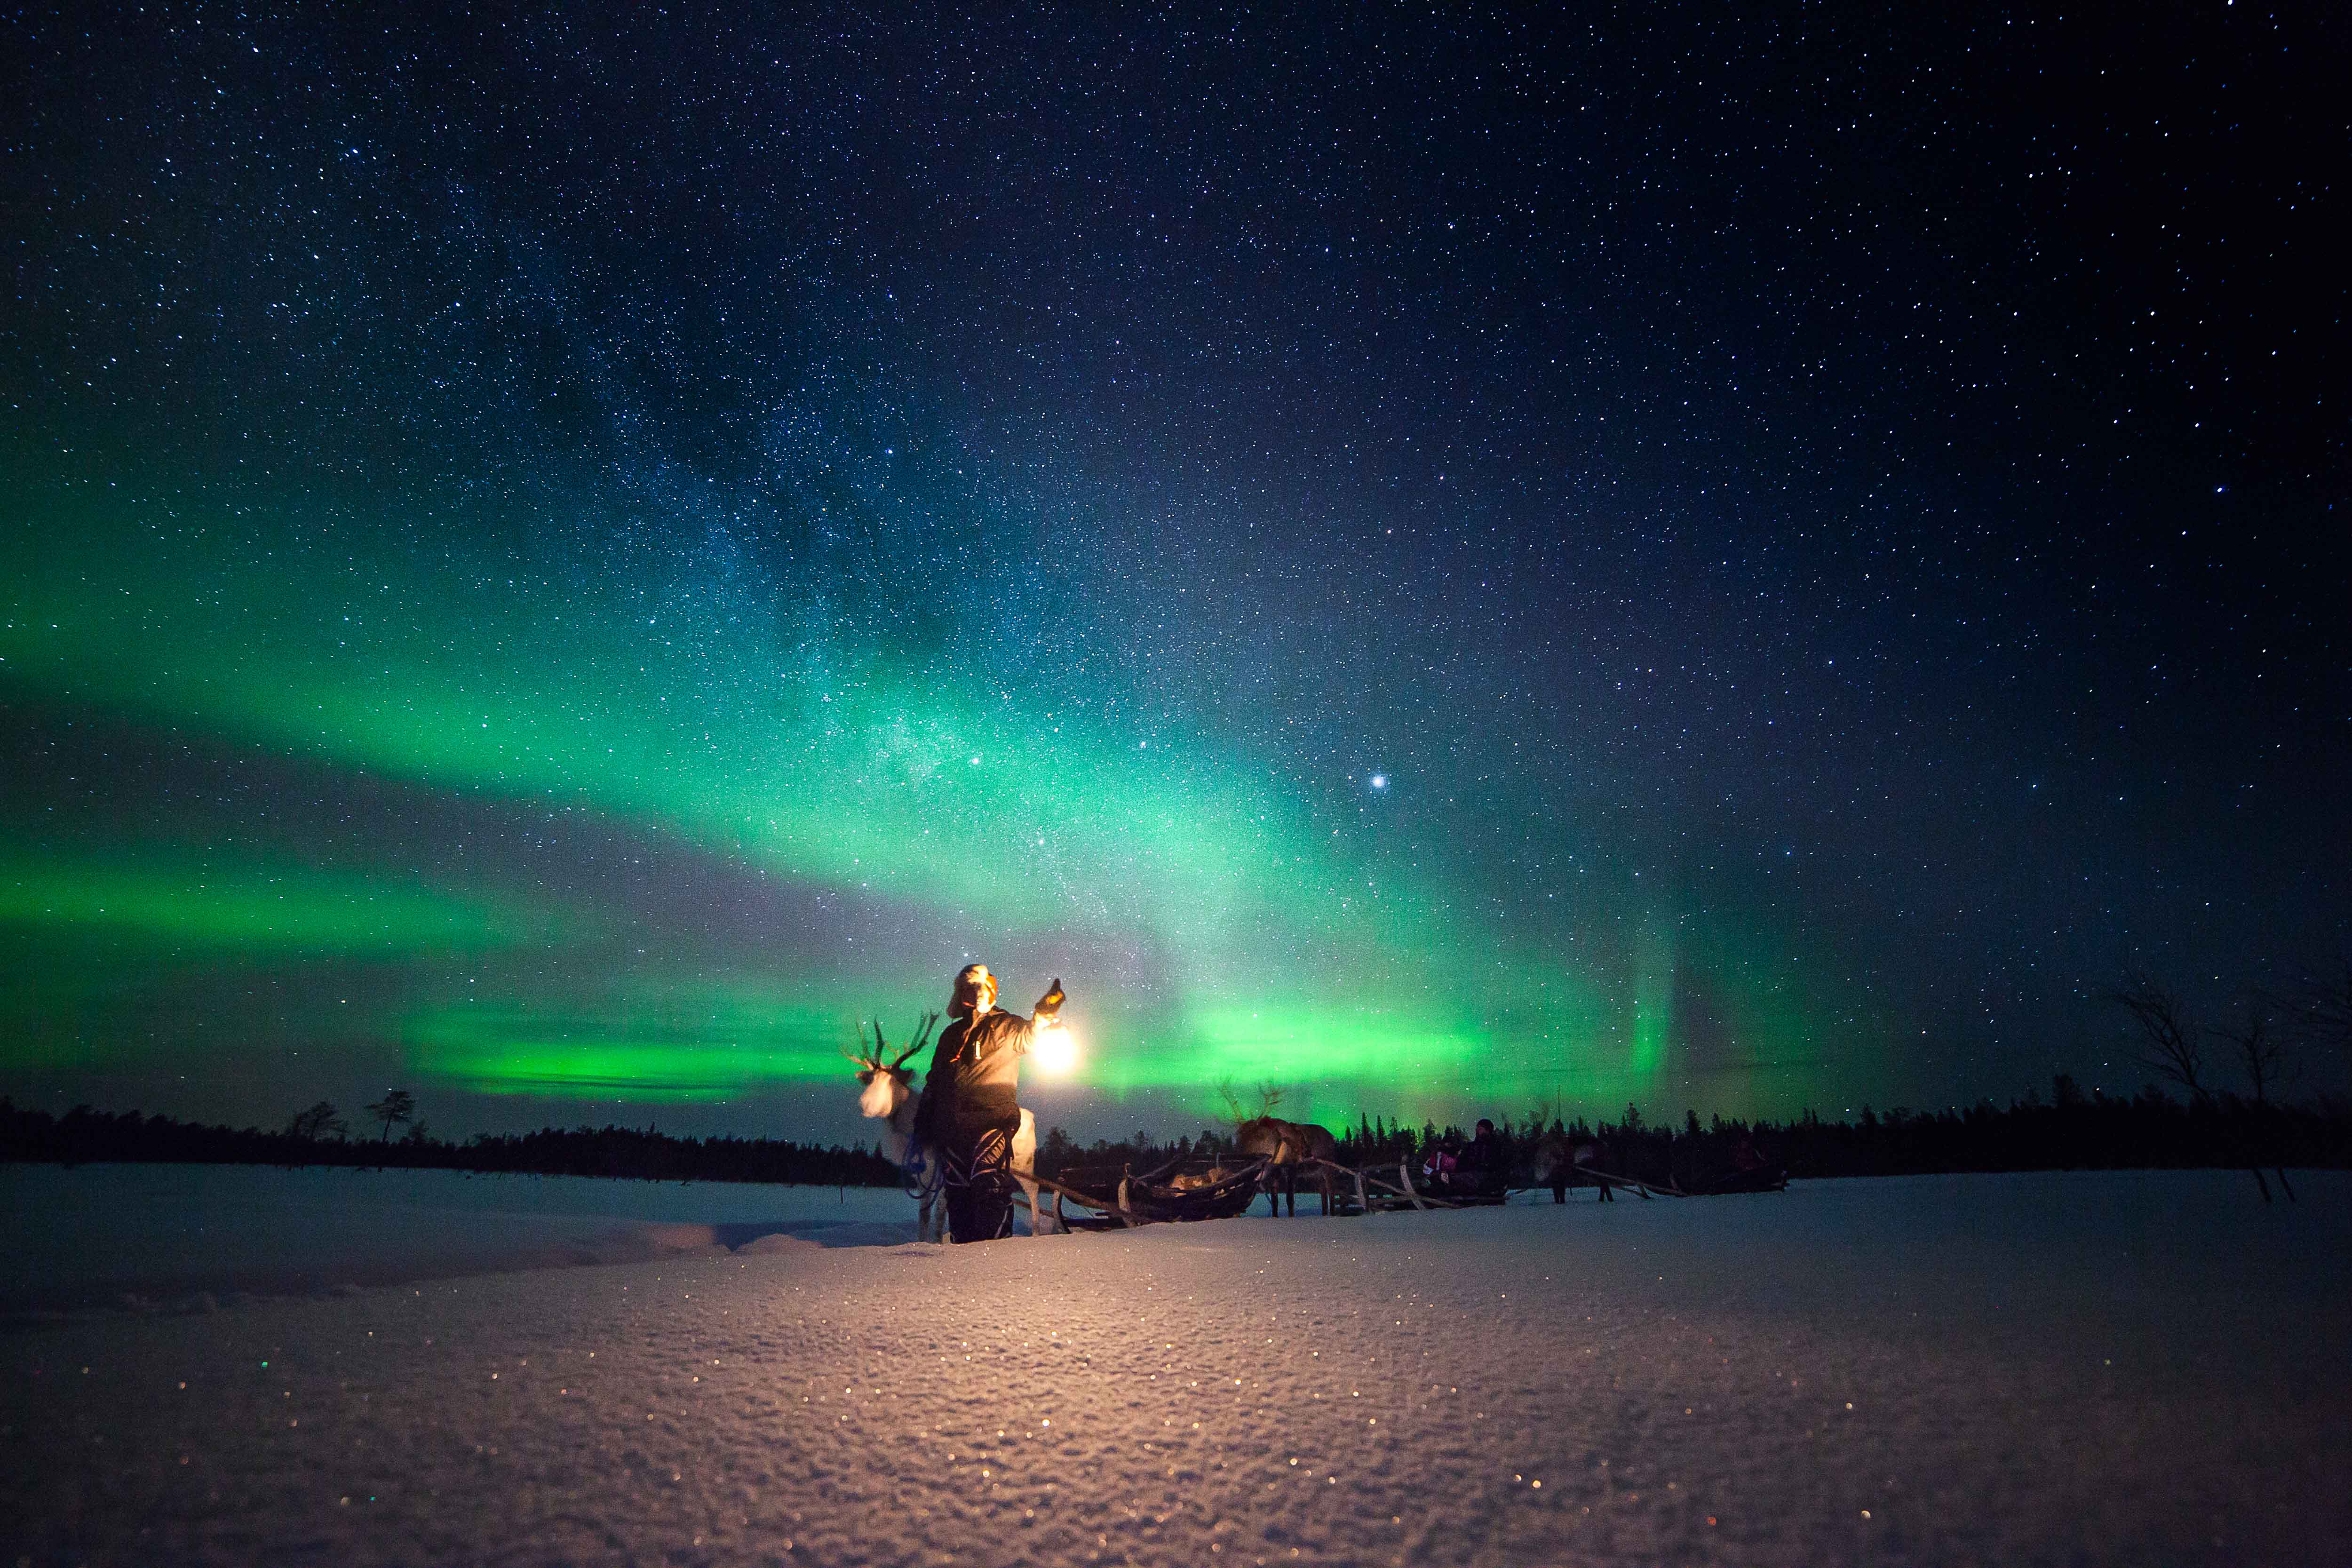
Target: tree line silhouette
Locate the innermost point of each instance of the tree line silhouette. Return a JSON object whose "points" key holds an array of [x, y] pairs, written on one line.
{"points": [[2262, 1041], [2071, 1130], [314, 1138]]}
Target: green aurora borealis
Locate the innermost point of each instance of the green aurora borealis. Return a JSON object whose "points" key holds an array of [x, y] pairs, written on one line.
{"points": [[860, 814]]}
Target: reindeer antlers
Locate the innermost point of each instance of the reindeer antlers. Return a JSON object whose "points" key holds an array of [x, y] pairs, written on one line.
{"points": [[922, 1037], [881, 1059], [1269, 1100]]}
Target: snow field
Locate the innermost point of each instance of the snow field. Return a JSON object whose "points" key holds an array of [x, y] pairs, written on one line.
{"points": [[182, 1237], [2062, 1369]]}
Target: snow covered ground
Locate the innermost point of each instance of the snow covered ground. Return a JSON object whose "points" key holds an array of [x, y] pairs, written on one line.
{"points": [[2141, 1368], [166, 1234]]}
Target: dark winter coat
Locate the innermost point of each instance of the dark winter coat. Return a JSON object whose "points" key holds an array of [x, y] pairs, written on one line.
{"points": [[975, 1070]]}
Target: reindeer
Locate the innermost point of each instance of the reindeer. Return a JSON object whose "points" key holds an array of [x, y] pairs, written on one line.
{"points": [[891, 1097], [1560, 1164], [1287, 1144]]}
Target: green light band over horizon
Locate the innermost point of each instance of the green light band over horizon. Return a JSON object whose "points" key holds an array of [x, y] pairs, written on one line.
{"points": [[1216, 922]]}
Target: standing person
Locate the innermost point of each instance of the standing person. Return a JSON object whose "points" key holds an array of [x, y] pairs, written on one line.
{"points": [[970, 1110]]}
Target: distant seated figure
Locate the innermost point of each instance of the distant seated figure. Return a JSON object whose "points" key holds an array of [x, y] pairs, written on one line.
{"points": [[1479, 1170], [1438, 1166], [1752, 1169]]}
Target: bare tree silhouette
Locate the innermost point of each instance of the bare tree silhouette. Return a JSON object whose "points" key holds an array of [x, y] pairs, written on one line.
{"points": [[2262, 1054], [2323, 1008], [317, 1122], [2166, 1031], [396, 1105], [2169, 1034]]}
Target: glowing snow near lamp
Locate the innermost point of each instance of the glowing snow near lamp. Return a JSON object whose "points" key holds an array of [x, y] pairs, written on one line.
{"points": [[1055, 1049]]}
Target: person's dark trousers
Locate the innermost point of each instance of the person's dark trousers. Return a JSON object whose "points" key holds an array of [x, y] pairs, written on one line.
{"points": [[980, 1183]]}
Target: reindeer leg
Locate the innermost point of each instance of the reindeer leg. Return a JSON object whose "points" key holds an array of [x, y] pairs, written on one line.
{"points": [[1037, 1215]]}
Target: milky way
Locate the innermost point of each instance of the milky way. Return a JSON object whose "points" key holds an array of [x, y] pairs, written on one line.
{"points": [[1738, 560]]}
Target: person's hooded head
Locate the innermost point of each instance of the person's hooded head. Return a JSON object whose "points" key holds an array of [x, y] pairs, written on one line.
{"points": [[975, 992]]}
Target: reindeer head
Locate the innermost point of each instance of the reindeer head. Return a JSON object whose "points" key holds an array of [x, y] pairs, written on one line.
{"points": [[1258, 1136], [887, 1081]]}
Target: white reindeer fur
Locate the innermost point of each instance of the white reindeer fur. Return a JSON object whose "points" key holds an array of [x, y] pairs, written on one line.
{"points": [[891, 1097]]}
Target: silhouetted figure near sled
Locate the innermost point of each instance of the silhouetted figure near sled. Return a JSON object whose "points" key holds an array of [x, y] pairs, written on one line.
{"points": [[1474, 1171], [1438, 1166], [1562, 1162], [1752, 1171], [1480, 1170]]}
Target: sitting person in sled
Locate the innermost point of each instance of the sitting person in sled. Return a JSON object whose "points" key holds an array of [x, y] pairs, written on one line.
{"points": [[1437, 1166], [1481, 1168]]}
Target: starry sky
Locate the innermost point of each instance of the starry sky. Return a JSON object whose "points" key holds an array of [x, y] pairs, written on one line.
{"points": [[1451, 560]]}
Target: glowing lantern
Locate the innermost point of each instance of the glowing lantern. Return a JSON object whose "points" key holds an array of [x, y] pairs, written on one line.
{"points": [[1054, 1049]]}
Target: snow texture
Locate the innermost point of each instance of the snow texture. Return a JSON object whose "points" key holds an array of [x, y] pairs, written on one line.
{"points": [[170, 1234], [2110, 1368]]}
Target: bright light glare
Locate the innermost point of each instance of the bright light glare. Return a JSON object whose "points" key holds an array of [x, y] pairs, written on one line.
{"points": [[1055, 1049]]}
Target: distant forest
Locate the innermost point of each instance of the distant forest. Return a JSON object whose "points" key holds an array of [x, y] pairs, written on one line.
{"points": [[82, 1136], [2071, 1130]]}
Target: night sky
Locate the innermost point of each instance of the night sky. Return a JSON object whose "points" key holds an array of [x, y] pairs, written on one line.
{"points": [[1733, 557]]}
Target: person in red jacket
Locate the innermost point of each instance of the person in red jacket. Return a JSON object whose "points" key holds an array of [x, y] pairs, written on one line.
{"points": [[970, 1110]]}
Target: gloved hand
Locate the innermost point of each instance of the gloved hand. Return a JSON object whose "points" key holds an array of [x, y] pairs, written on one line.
{"points": [[1049, 1006]]}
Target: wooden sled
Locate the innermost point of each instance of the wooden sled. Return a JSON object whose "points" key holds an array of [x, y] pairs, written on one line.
{"points": [[1105, 1200], [1110, 1201]]}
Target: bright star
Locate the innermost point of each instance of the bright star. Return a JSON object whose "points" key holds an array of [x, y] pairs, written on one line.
{"points": [[1380, 781]]}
